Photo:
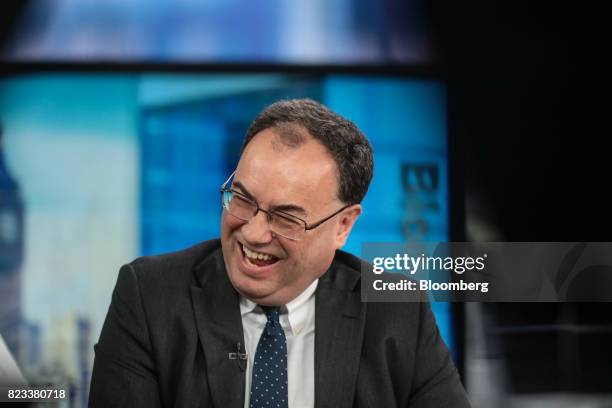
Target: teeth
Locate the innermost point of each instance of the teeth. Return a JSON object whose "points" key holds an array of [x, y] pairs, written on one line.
{"points": [[256, 255]]}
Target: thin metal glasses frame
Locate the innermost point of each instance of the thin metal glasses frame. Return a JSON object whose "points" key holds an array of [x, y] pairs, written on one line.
{"points": [[307, 227]]}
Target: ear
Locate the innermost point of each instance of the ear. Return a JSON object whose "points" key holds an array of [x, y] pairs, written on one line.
{"points": [[345, 223]]}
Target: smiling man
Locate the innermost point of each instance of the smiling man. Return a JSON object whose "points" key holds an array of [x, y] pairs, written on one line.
{"points": [[270, 315], [272, 258]]}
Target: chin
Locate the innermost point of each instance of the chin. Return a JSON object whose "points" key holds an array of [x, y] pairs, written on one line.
{"points": [[247, 286]]}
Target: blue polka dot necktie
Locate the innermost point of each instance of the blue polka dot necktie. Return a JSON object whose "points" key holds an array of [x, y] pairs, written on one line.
{"points": [[269, 383]]}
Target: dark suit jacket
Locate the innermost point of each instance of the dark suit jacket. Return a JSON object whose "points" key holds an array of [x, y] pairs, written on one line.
{"points": [[174, 318]]}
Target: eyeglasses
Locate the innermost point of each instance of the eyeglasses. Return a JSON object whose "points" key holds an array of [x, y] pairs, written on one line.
{"points": [[281, 223]]}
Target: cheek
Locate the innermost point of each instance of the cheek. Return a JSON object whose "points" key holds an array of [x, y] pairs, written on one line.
{"points": [[315, 255], [228, 224]]}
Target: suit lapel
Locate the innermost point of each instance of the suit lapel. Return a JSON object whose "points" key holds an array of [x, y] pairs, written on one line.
{"points": [[339, 326], [219, 325]]}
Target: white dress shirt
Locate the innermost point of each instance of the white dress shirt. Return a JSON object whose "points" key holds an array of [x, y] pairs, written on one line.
{"points": [[298, 321]]}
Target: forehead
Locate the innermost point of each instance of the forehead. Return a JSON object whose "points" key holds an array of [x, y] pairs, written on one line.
{"points": [[280, 174]]}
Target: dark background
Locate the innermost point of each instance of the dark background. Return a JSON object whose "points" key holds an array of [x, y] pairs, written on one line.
{"points": [[528, 96], [529, 88]]}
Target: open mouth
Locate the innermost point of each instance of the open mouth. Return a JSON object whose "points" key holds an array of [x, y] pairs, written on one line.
{"points": [[255, 258]]}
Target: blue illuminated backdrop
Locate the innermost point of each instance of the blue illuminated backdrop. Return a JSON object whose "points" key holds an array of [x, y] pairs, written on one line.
{"points": [[117, 165], [222, 31], [190, 145], [105, 167]]}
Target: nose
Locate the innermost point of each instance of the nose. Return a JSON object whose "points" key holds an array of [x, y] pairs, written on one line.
{"points": [[257, 230]]}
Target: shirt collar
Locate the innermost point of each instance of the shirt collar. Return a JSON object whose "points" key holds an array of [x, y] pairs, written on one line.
{"points": [[297, 309]]}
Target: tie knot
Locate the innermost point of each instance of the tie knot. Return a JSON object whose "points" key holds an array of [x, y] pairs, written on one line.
{"points": [[272, 312]]}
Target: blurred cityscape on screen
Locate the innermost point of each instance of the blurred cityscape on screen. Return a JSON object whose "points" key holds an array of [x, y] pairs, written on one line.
{"points": [[97, 169]]}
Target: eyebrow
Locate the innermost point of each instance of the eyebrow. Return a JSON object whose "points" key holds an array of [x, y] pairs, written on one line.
{"points": [[288, 208]]}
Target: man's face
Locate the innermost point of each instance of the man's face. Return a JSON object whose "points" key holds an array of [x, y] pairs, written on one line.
{"points": [[276, 175]]}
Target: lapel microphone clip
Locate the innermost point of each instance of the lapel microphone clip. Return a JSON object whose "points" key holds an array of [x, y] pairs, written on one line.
{"points": [[240, 356]]}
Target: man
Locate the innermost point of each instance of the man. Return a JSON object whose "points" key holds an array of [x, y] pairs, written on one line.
{"points": [[270, 315]]}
